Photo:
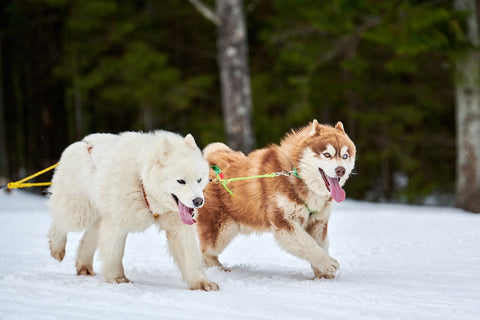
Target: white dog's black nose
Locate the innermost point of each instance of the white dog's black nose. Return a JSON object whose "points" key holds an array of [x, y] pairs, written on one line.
{"points": [[197, 202]]}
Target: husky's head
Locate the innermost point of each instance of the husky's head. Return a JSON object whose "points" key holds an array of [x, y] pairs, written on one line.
{"points": [[175, 176], [327, 158]]}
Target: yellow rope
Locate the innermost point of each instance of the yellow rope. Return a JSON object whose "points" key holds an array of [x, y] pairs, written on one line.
{"points": [[20, 183]]}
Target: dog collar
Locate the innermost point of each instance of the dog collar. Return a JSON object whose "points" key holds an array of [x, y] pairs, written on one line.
{"points": [[295, 172], [310, 211], [154, 215]]}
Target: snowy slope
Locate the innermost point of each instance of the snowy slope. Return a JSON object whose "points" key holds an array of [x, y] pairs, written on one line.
{"points": [[397, 262]]}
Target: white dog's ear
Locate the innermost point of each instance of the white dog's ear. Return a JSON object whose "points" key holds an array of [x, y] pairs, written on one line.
{"points": [[339, 126], [190, 141], [315, 127], [162, 154]]}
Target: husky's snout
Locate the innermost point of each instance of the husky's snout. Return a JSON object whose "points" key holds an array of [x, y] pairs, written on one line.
{"points": [[198, 202], [340, 171]]}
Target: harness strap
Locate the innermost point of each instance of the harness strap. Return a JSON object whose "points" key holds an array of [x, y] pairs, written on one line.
{"points": [[223, 181]]}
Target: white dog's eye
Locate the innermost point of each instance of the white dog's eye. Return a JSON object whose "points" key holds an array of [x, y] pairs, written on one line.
{"points": [[327, 155], [345, 156], [199, 180], [181, 181]]}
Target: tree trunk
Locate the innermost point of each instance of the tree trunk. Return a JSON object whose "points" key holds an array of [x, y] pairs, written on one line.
{"points": [[232, 57], [467, 93], [3, 137], [77, 99]]}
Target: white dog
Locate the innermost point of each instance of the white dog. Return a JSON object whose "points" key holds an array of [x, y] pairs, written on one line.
{"points": [[110, 185]]}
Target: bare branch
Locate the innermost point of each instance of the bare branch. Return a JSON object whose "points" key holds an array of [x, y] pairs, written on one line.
{"points": [[206, 12]]}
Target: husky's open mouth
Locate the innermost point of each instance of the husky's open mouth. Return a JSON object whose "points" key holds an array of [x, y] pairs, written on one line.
{"points": [[333, 186], [186, 213], [324, 176]]}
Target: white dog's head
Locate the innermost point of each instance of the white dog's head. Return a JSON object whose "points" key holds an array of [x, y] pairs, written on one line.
{"points": [[327, 159], [176, 174]]}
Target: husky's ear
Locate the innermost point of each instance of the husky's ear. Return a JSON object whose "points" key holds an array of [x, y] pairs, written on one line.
{"points": [[315, 127], [190, 141], [339, 126]]}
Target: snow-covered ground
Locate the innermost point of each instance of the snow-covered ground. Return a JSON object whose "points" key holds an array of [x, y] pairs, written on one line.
{"points": [[397, 262]]}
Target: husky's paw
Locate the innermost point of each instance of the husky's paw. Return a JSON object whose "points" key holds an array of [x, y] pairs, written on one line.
{"points": [[327, 270], [58, 254], [85, 271], [211, 261], [205, 285], [225, 269]]}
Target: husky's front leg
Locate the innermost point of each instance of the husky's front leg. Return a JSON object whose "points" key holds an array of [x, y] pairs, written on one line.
{"points": [[184, 249], [317, 225], [299, 243], [112, 248], [318, 230]]}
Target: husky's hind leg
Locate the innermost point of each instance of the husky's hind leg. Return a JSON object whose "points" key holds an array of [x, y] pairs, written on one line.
{"points": [[86, 250], [213, 241], [58, 241]]}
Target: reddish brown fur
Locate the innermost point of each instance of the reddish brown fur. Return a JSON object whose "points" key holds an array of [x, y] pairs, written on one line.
{"points": [[325, 230], [253, 205]]}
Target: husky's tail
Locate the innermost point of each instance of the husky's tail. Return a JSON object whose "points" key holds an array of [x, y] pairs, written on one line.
{"points": [[221, 155]]}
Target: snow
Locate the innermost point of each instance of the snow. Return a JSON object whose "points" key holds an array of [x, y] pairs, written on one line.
{"points": [[397, 262]]}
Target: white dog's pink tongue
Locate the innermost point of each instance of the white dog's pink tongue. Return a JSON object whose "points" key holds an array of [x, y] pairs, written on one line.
{"points": [[185, 213], [338, 194]]}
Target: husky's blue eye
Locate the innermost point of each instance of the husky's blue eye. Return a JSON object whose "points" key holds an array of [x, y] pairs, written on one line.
{"points": [[181, 181], [345, 156], [199, 180]]}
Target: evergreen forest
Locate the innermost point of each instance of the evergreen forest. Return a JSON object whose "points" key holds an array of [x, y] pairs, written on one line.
{"points": [[384, 68]]}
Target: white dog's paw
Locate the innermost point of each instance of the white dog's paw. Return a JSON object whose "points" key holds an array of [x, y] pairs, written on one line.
{"points": [[119, 280], [85, 271], [58, 254], [206, 285], [328, 269]]}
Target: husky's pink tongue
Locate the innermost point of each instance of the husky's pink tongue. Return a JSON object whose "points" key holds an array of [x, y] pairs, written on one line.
{"points": [[185, 214], [338, 194]]}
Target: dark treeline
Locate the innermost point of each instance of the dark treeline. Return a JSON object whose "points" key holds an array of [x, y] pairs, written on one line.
{"points": [[384, 68]]}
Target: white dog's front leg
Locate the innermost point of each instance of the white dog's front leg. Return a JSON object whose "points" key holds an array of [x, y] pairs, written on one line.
{"points": [[185, 251], [112, 247]]}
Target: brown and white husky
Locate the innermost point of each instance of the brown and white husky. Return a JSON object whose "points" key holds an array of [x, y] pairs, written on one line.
{"points": [[295, 208]]}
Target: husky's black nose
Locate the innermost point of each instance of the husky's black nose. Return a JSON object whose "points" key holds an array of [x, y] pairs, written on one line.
{"points": [[197, 202]]}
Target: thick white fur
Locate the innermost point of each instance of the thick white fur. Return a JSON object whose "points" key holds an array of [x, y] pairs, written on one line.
{"points": [[97, 187]]}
